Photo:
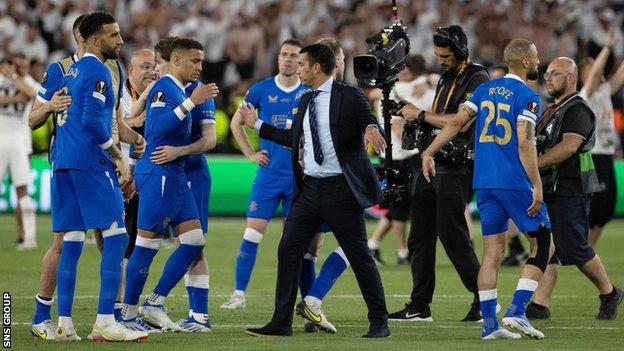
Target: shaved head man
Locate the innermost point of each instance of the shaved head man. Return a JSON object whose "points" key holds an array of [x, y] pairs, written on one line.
{"points": [[141, 69], [566, 134]]}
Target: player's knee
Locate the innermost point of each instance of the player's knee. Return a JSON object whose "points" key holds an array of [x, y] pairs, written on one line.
{"points": [[193, 237], [252, 235], [544, 250], [114, 229], [76, 235]]}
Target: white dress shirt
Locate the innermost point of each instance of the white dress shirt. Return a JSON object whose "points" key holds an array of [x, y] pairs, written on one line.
{"points": [[330, 166]]}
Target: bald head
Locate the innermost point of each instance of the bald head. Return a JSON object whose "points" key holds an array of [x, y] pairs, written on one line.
{"points": [[520, 55], [564, 64], [141, 69], [561, 77]]}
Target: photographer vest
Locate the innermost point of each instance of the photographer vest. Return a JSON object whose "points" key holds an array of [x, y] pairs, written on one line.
{"points": [[452, 90], [548, 135]]}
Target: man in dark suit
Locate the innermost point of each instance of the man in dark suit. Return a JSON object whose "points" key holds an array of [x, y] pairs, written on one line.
{"points": [[334, 182]]}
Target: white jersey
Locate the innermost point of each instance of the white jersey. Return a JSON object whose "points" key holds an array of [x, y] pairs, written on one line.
{"points": [[14, 117], [600, 103], [406, 91]]}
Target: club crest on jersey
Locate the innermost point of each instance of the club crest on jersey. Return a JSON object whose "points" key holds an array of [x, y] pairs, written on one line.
{"points": [[272, 99], [533, 107]]}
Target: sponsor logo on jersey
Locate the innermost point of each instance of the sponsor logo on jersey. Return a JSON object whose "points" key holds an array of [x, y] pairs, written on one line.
{"points": [[273, 99]]}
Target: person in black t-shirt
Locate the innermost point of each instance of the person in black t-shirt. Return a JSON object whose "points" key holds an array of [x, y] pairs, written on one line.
{"points": [[566, 197]]}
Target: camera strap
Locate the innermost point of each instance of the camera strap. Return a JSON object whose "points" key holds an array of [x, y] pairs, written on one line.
{"points": [[460, 71]]}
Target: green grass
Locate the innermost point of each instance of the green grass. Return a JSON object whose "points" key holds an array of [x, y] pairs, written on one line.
{"points": [[574, 305]]}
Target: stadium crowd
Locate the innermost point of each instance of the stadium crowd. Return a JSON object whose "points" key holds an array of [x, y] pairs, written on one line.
{"points": [[243, 36]]}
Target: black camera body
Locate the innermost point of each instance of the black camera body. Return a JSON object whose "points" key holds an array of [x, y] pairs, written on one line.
{"points": [[387, 57]]}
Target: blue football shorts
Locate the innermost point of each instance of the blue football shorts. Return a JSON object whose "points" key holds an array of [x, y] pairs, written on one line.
{"points": [[497, 206], [83, 200], [164, 201]]}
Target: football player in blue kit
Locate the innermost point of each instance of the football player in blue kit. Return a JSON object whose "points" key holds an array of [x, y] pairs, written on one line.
{"points": [[507, 182], [166, 199], [273, 98], [203, 138], [85, 191]]}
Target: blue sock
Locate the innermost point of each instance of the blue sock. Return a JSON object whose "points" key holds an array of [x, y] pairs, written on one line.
{"points": [[521, 297], [176, 266], [487, 299], [42, 310], [308, 274], [66, 273], [245, 261], [201, 300], [333, 267], [190, 291], [137, 271], [110, 271]]}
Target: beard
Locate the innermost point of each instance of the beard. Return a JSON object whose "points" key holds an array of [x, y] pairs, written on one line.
{"points": [[556, 93], [109, 54], [533, 75]]}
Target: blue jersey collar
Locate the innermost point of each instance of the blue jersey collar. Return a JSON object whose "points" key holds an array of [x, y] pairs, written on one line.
{"points": [[513, 76], [88, 54], [287, 89], [176, 81]]}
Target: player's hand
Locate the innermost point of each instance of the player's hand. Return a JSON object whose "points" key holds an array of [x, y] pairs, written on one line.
{"points": [[428, 167], [261, 157], [611, 39], [538, 200], [139, 147], [375, 139], [204, 93], [122, 169], [21, 98], [128, 190], [59, 101], [409, 112], [248, 115], [165, 154]]}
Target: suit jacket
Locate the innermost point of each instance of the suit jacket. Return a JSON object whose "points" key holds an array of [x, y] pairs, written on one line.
{"points": [[349, 115]]}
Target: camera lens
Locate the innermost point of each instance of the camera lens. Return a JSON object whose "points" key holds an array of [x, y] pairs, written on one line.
{"points": [[365, 66]]}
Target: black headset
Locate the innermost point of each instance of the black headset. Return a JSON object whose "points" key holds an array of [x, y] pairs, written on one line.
{"points": [[458, 46]]}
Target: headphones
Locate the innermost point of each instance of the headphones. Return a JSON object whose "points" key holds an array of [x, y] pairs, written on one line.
{"points": [[457, 43]]}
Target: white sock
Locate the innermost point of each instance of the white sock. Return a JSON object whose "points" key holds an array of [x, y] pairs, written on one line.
{"points": [[66, 323], [527, 284], [104, 320], [402, 253], [155, 299], [129, 312], [373, 244], [486, 295], [239, 292], [312, 301], [27, 206], [200, 317]]}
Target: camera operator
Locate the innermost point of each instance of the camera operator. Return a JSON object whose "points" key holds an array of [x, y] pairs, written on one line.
{"points": [[414, 86], [438, 207]]}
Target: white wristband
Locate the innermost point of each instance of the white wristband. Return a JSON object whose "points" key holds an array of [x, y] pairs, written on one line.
{"points": [[188, 104]]}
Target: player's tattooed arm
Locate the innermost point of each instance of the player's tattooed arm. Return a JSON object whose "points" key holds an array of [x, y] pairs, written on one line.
{"points": [[529, 129]]}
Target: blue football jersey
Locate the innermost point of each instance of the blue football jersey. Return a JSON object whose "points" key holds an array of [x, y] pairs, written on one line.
{"points": [[196, 165], [499, 104], [163, 126], [85, 128], [274, 103]]}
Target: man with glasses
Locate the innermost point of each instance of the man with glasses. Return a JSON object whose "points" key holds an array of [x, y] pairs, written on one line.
{"points": [[565, 136]]}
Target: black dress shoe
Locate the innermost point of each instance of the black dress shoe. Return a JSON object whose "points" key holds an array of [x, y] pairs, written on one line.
{"points": [[378, 332], [270, 330]]}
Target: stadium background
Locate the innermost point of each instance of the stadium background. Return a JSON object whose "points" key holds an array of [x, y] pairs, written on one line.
{"points": [[242, 37]]}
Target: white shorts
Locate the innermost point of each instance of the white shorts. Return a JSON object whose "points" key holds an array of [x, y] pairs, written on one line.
{"points": [[14, 158]]}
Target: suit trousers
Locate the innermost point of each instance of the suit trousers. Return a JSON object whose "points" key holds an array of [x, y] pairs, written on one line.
{"points": [[328, 200], [438, 210]]}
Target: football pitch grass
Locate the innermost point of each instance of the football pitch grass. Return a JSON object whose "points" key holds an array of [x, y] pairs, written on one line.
{"points": [[574, 306]]}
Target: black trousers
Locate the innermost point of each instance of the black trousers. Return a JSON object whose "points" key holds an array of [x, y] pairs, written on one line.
{"points": [[331, 201], [438, 210], [131, 219]]}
